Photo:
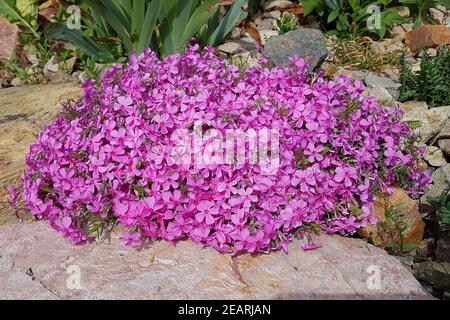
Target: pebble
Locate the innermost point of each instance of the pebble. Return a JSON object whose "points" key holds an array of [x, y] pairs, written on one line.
{"points": [[435, 157]]}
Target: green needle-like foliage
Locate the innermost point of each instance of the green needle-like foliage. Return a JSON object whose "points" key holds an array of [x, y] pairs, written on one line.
{"points": [[431, 83]]}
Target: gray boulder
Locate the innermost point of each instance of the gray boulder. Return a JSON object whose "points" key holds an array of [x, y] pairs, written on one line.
{"points": [[305, 43]]}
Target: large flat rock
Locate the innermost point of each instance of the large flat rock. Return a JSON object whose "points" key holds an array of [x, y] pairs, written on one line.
{"points": [[37, 263], [23, 113]]}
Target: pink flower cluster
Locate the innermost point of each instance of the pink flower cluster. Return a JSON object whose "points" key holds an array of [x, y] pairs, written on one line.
{"points": [[105, 159]]}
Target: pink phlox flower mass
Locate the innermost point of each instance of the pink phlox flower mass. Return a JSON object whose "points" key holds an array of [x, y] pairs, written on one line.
{"points": [[108, 158]]}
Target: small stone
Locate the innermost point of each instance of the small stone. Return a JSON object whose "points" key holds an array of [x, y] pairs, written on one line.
{"points": [[266, 24], [16, 82], [435, 157], [231, 47], [427, 36], [235, 33], [443, 249], [356, 74], [392, 73], [425, 249], [52, 65], [83, 76], [8, 38], [432, 121], [30, 54], [404, 206], [437, 15], [382, 94], [308, 44], [444, 145], [378, 47], [410, 58], [398, 33], [249, 42], [266, 34], [441, 183], [408, 106], [277, 4], [56, 77], [392, 87], [442, 8], [403, 11], [441, 177], [249, 59], [415, 67], [408, 27], [276, 14], [68, 65], [434, 273], [432, 52], [5, 78], [258, 20], [443, 139], [76, 75]]}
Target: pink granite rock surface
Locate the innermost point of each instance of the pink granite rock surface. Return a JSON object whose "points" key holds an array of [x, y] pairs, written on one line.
{"points": [[37, 263]]}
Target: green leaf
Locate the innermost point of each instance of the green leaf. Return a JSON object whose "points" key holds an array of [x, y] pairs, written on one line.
{"points": [[198, 19], [309, 6], [333, 4], [355, 5], [59, 31], [333, 15], [181, 19], [229, 21], [408, 246], [7, 9], [445, 3], [151, 16], [342, 23], [26, 7], [137, 20], [115, 18], [166, 26]]}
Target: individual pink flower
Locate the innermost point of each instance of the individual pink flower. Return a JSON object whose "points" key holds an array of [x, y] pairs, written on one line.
{"points": [[310, 246], [131, 239]]}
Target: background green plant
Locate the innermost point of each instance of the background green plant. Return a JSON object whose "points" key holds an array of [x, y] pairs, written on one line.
{"points": [[419, 8], [431, 83], [286, 23], [166, 26], [349, 18]]}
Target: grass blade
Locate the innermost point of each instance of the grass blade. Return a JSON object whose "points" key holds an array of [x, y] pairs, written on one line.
{"points": [[59, 31], [234, 15], [137, 21], [151, 16]]}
